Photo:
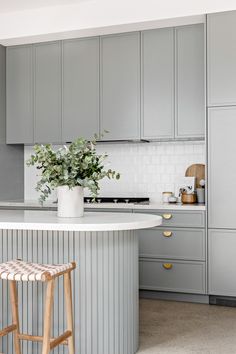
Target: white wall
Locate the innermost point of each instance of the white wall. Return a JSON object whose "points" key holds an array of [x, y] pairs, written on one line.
{"points": [[146, 169], [91, 16]]}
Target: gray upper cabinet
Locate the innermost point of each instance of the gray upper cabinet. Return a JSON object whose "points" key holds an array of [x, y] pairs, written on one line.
{"points": [[80, 116], [2, 94], [47, 92], [221, 52], [19, 95], [221, 167], [190, 82], [120, 86], [158, 84]]}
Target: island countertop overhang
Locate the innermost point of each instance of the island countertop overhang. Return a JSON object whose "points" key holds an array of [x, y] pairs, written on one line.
{"points": [[92, 221]]}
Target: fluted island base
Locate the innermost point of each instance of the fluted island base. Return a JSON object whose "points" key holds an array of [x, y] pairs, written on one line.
{"points": [[105, 288]]}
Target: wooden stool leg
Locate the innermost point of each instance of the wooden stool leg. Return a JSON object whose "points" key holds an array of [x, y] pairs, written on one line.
{"points": [[69, 311], [48, 316], [15, 315]]}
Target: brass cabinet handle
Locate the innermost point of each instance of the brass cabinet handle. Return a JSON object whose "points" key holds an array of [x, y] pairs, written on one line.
{"points": [[167, 233], [167, 265], [167, 216]]}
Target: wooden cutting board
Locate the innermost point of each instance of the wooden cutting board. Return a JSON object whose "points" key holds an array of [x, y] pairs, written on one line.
{"points": [[198, 171]]}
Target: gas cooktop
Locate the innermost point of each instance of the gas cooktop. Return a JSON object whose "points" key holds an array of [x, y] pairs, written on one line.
{"points": [[117, 200]]}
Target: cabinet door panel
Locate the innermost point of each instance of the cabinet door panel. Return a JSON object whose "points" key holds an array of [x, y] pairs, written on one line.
{"points": [[48, 92], [80, 88], [187, 244], [222, 167], [120, 86], [19, 95], [179, 218], [186, 277], [221, 53], [190, 87], [158, 84], [222, 262]]}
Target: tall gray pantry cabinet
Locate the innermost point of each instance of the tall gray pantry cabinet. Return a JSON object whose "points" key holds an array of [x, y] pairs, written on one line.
{"points": [[221, 51]]}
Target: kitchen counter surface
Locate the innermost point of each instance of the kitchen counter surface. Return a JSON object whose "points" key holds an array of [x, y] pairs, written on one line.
{"points": [[92, 221], [152, 206]]}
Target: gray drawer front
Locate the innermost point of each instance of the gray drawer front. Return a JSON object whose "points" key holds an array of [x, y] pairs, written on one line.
{"points": [[179, 218], [187, 277], [188, 244]]}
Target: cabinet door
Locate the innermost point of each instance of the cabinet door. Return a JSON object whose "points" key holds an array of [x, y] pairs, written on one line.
{"points": [[19, 95], [180, 276], [222, 167], [2, 94], [120, 86], [48, 92], [222, 262], [221, 52], [158, 84], [80, 89], [190, 87]]}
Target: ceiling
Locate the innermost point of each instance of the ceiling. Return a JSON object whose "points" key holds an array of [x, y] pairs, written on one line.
{"points": [[21, 5]]}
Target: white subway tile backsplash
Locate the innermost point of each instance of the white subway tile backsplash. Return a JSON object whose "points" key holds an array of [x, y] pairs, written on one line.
{"points": [[146, 169]]}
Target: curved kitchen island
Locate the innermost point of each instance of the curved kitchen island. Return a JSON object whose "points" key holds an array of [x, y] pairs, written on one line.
{"points": [[105, 247]]}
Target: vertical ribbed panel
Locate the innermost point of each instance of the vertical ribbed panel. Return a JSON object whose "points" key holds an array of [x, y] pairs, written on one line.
{"points": [[105, 288]]}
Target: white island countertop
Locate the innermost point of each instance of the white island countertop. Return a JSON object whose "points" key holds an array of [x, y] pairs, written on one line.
{"points": [[92, 221]]}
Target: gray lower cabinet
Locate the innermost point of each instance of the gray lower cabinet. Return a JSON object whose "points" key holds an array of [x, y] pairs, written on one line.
{"points": [[174, 243], [19, 110], [120, 86], [168, 275], [221, 58], [157, 84], [190, 82], [173, 256], [221, 167], [47, 92], [222, 262], [80, 110], [180, 218]]}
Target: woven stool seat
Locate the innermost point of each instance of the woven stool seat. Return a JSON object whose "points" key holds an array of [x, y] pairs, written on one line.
{"points": [[26, 271]]}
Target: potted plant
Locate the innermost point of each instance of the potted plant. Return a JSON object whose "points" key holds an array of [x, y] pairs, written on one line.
{"points": [[70, 169]]}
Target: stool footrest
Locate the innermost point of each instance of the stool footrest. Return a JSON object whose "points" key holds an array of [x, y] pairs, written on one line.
{"points": [[61, 339], [8, 330], [29, 337]]}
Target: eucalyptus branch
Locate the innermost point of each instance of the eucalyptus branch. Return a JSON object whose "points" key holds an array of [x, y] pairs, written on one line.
{"points": [[75, 165]]}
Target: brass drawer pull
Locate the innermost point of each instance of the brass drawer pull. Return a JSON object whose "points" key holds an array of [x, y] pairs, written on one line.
{"points": [[167, 265], [167, 216], [167, 233]]}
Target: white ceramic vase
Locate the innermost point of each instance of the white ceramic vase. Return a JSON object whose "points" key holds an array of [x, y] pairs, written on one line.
{"points": [[70, 202]]}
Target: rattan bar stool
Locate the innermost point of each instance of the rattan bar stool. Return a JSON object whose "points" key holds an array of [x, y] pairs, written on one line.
{"points": [[18, 270]]}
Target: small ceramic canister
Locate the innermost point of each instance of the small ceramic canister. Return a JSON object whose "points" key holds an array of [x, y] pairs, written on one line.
{"points": [[166, 196]]}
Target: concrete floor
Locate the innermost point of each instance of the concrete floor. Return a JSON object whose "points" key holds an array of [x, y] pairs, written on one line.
{"points": [[168, 327]]}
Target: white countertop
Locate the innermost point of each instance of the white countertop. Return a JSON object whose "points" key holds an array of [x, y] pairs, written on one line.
{"points": [[151, 206], [92, 221]]}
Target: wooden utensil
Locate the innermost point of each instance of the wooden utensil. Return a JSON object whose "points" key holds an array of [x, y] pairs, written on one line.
{"points": [[196, 170]]}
